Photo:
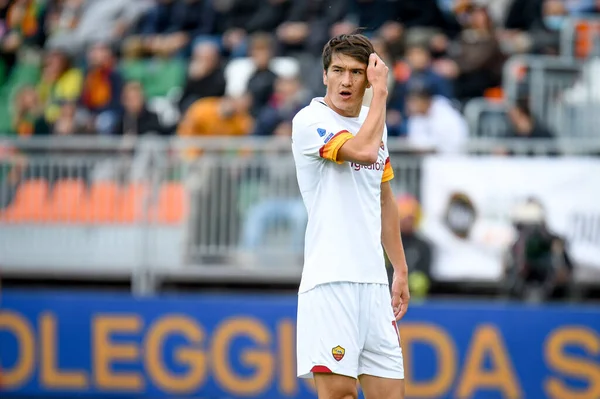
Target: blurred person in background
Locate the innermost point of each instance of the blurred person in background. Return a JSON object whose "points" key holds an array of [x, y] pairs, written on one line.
{"points": [[102, 86], [69, 122], [92, 21], [188, 19], [216, 116], [136, 119], [262, 81], [28, 118], [417, 249], [477, 59], [306, 28], [417, 68], [276, 118], [538, 266], [60, 82], [592, 9], [205, 75], [545, 32], [434, 124], [230, 25], [157, 31], [22, 25]]}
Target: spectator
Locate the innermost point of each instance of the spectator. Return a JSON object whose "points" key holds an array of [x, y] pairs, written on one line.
{"points": [[28, 119], [434, 124], [59, 82], [63, 16], [100, 21], [592, 9], [418, 67], [418, 251], [155, 22], [21, 24], [370, 14], [230, 25], [102, 89], [538, 266], [205, 76], [69, 122], [288, 99], [306, 28], [216, 116], [477, 57], [136, 119], [188, 19], [261, 83], [545, 33], [522, 14]]}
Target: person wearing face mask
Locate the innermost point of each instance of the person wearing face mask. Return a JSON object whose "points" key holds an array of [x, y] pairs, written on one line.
{"points": [[545, 33]]}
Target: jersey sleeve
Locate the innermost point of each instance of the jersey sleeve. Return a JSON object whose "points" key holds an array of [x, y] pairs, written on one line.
{"points": [[319, 139], [388, 171]]}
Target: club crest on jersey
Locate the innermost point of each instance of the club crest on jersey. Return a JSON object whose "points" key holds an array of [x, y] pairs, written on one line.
{"points": [[338, 353], [321, 132]]}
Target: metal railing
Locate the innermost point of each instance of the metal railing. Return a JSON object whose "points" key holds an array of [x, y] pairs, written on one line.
{"points": [[580, 38], [108, 208]]}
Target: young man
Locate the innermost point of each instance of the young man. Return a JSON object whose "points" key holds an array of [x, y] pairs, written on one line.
{"points": [[346, 325]]}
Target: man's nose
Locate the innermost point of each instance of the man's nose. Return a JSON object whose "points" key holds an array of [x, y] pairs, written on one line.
{"points": [[347, 79]]}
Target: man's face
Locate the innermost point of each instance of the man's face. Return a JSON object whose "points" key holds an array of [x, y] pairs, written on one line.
{"points": [[346, 81]]}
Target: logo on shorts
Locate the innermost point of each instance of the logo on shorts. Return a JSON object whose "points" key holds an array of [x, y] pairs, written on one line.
{"points": [[338, 353]]}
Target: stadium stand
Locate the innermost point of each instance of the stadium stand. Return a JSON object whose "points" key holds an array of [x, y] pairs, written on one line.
{"points": [[72, 129]]}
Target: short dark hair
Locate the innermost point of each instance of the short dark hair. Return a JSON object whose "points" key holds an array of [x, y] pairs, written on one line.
{"points": [[355, 45]]}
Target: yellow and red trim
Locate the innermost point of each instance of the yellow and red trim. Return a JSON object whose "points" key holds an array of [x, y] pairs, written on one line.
{"points": [[388, 171], [330, 150]]}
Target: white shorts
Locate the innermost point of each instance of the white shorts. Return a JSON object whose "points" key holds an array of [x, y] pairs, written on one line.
{"points": [[348, 329]]}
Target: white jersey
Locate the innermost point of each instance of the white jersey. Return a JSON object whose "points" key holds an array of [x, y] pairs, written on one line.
{"points": [[343, 235]]}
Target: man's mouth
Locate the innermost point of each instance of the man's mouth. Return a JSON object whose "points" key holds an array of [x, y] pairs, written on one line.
{"points": [[345, 94]]}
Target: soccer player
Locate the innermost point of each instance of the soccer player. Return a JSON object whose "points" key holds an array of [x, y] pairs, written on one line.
{"points": [[346, 325]]}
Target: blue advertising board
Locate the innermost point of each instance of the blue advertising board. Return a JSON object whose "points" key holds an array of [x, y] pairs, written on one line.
{"points": [[241, 346]]}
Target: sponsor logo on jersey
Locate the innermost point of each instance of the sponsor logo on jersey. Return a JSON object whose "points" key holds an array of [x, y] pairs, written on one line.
{"points": [[338, 353], [329, 137], [321, 132], [379, 165]]}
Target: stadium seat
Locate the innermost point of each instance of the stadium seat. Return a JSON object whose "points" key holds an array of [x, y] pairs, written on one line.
{"points": [[102, 204], [68, 201], [30, 203], [131, 205], [171, 206]]}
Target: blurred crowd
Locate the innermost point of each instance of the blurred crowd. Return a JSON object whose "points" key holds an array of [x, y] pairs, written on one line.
{"points": [[244, 67]]}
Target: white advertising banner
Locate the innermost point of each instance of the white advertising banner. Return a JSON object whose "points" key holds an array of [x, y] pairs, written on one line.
{"points": [[467, 203]]}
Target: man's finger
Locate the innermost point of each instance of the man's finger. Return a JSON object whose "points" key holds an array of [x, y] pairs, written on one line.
{"points": [[402, 311]]}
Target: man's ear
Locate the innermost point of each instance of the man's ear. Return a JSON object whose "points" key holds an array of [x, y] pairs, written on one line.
{"points": [[325, 77]]}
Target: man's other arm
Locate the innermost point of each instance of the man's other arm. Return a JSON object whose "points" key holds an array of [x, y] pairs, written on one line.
{"points": [[392, 243]]}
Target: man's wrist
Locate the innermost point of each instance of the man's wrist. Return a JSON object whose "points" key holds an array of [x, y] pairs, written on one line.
{"points": [[380, 91], [400, 271]]}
